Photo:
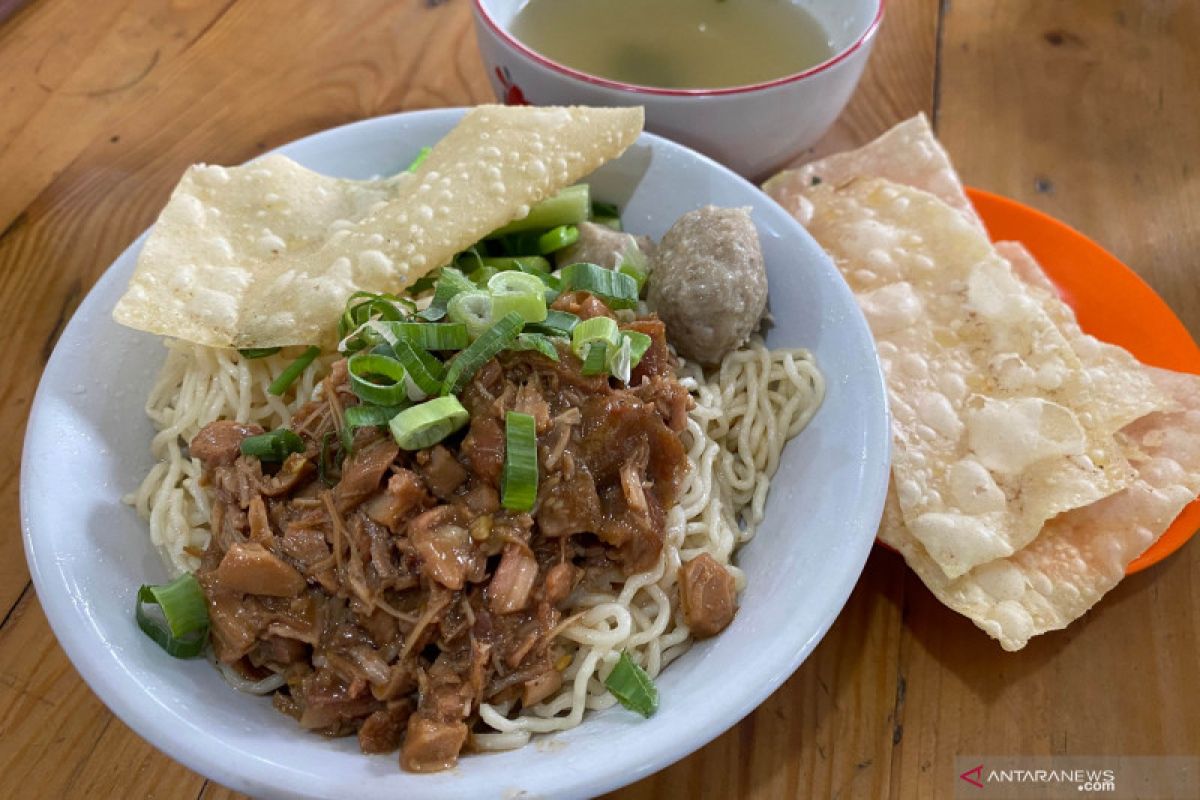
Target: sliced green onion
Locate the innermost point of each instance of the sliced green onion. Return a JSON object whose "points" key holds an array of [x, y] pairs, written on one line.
{"points": [[365, 416], [538, 342], [428, 335], [366, 307], [603, 209], [183, 629], [274, 446], [618, 361], [614, 288], [516, 291], [517, 245], [634, 264], [362, 306], [595, 361], [258, 352], [606, 214], [472, 309], [293, 371], [596, 329], [377, 379], [632, 687], [530, 264], [568, 207], [425, 370], [519, 481], [428, 423], [449, 283], [424, 283], [639, 343], [556, 323], [557, 238], [422, 154], [502, 334], [369, 416], [481, 276], [469, 259]]}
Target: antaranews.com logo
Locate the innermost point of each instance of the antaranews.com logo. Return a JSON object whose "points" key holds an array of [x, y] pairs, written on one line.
{"points": [[1084, 780], [1049, 777]]}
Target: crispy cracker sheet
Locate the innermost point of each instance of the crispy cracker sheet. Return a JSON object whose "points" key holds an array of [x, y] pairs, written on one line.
{"points": [[985, 391], [266, 254], [909, 153], [1081, 554]]}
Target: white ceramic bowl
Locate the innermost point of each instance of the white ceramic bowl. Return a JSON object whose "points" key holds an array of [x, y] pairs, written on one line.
{"points": [[88, 552], [753, 129]]}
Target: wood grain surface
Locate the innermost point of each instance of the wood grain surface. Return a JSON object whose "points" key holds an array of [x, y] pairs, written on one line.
{"points": [[1088, 109]]}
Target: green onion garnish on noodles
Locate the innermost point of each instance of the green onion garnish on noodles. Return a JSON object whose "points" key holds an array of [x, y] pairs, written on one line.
{"points": [[516, 291], [425, 370], [530, 264], [183, 628], [603, 209], [519, 481], [365, 416], [468, 260], [538, 342], [422, 154], [614, 288], [569, 207], [429, 335], [293, 371], [639, 343], [619, 361], [632, 687], [424, 283], [364, 307], [377, 379], [274, 446], [606, 214], [473, 309], [496, 338], [595, 361], [557, 238], [427, 423], [556, 323], [258, 352], [449, 283], [603, 330], [481, 276], [634, 264]]}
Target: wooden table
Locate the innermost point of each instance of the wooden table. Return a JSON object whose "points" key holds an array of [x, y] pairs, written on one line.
{"points": [[1088, 109]]}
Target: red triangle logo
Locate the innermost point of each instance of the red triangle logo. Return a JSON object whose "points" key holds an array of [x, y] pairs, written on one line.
{"points": [[974, 776]]}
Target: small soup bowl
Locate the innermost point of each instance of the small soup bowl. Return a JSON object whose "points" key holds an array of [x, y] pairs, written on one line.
{"points": [[755, 129]]}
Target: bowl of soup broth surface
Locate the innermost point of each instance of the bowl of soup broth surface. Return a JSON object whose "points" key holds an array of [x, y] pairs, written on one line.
{"points": [[749, 82]]}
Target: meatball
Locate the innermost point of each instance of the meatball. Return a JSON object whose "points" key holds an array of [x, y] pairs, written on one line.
{"points": [[600, 245], [709, 282]]}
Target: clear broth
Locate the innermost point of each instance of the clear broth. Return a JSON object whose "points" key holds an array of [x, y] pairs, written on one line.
{"points": [[675, 44]]}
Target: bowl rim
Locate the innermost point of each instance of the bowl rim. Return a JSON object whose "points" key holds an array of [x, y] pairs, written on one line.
{"points": [[502, 33], [111, 686]]}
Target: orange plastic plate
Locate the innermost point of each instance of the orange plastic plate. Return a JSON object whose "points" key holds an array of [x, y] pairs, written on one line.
{"points": [[1111, 302]]}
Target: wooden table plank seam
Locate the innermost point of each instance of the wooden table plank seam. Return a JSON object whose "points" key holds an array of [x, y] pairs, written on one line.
{"points": [[12, 610]]}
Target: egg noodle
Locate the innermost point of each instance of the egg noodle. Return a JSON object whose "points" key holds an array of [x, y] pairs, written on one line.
{"points": [[744, 413]]}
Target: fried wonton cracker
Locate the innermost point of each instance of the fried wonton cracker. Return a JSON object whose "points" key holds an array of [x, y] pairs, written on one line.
{"points": [[1082, 554], [909, 153], [986, 393], [266, 254]]}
